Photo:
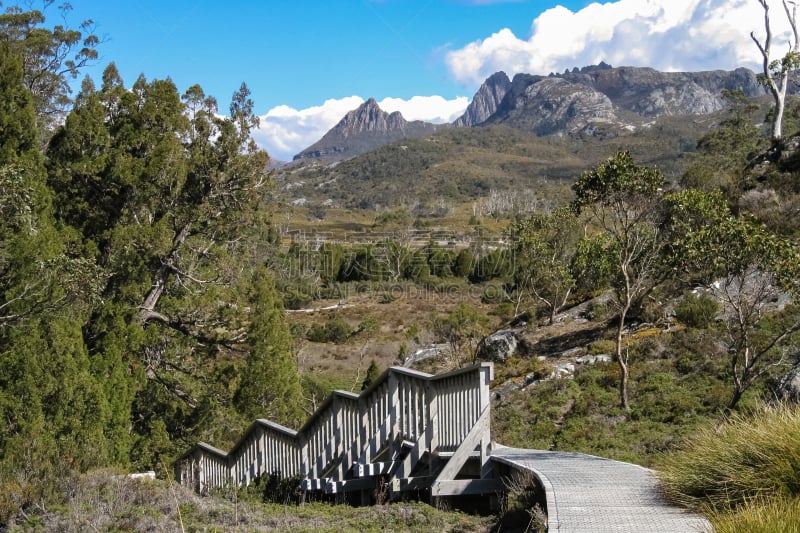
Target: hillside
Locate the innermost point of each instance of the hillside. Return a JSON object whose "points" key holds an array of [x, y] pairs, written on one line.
{"points": [[462, 164]]}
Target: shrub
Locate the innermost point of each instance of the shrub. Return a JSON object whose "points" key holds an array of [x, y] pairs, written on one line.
{"points": [[335, 330], [781, 514], [697, 310]]}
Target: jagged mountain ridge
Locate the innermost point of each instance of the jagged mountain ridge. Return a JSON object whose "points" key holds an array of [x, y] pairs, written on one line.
{"points": [[597, 100], [363, 129], [614, 99], [485, 102]]}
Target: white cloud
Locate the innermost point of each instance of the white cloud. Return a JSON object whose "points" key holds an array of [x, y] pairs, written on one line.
{"points": [[285, 131], [428, 108], [684, 35]]}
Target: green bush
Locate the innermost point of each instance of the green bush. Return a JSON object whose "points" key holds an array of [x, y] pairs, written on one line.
{"points": [[697, 310], [335, 330]]}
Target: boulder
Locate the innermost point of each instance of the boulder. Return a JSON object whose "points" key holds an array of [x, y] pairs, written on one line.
{"points": [[789, 388], [498, 346]]}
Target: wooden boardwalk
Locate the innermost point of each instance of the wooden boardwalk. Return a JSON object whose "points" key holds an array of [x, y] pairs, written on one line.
{"points": [[412, 431], [588, 494]]}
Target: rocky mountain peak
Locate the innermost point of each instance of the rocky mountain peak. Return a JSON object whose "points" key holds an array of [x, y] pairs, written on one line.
{"points": [[369, 117], [485, 102], [363, 129]]}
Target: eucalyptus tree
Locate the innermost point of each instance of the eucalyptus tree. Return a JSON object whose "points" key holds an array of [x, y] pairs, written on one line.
{"points": [[50, 57], [751, 271], [623, 200], [543, 249], [775, 72]]}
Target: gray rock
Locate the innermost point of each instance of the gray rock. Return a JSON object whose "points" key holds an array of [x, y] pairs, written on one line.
{"points": [[591, 359], [498, 346], [485, 102], [789, 388]]}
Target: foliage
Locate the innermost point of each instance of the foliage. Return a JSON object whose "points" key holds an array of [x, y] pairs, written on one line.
{"points": [[722, 154], [462, 329], [746, 268], [697, 310], [373, 373], [270, 386], [624, 200], [107, 500], [670, 396], [52, 56], [336, 330], [543, 250]]}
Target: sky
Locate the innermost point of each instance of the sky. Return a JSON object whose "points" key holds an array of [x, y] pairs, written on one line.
{"points": [[308, 62]]}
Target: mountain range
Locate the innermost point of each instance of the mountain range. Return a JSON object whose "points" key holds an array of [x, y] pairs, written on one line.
{"points": [[598, 100]]}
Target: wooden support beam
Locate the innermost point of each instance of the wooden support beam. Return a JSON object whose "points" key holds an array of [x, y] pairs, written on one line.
{"points": [[349, 485], [465, 449], [411, 483], [374, 469], [465, 487]]}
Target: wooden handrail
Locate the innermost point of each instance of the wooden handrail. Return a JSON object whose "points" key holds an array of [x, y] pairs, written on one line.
{"points": [[433, 413]]}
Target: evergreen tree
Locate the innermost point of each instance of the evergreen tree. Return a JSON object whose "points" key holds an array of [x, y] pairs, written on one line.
{"points": [[168, 196], [51, 55], [373, 373], [52, 407], [270, 387]]}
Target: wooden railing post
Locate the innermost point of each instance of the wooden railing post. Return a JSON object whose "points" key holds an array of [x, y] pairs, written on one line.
{"points": [[404, 414]]}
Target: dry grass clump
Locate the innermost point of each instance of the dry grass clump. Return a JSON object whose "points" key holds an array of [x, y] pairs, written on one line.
{"points": [[744, 474], [748, 456], [111, 501], [778, 514]]}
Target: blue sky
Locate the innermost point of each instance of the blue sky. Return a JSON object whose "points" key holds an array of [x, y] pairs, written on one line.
{"points": [[307, 62]]}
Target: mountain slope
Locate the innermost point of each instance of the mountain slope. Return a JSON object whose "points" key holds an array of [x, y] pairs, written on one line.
{"points": [[362, 130], [610, 101]]}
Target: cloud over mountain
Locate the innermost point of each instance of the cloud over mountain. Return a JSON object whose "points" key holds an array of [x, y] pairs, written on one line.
{"points": [[669, 35], [285, 131]]}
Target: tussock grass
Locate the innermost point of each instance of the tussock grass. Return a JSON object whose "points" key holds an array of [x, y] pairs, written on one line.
{"points": [[750, 458], [776, 515]]}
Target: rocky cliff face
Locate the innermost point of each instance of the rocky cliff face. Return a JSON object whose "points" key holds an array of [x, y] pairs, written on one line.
{"points": [[554, 106], [597, 100], [362, 130], [581, 100], [485, 102], [652, 93]]}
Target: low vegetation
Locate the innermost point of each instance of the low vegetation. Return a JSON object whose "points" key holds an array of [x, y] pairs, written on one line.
{"points": [[743, 472], [111, 501]]}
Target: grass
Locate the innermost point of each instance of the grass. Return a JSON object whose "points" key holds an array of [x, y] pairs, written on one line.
{"points": [[749, 458], [672, 393], [110, 501], [744, 473], [777, 514]]}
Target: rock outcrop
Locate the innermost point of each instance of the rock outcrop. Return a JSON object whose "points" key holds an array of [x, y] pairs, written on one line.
{"points": [[555, 106], [364, 129], [596, 100], [580, 100], [485, 102]]}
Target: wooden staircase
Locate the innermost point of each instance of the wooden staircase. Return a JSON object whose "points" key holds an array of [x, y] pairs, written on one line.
{"points": [[409, 431]]}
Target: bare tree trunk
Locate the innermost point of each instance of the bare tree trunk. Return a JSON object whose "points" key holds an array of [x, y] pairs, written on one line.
{"points": [[777, 79], [147, 309], [623, 363]]}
